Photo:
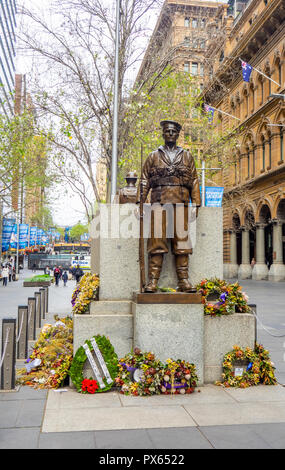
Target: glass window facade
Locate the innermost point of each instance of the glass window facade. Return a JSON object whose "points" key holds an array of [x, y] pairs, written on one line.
{"points": [[8, 10]]}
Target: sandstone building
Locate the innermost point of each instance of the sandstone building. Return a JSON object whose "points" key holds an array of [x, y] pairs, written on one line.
{"points": [[254, 201]]}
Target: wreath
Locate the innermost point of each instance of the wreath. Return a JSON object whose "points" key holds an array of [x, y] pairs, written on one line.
{"points": [[142, 374], [77, 365], [179, 377], [86, 291], [247, 367], [139, 374], [229, 297]]}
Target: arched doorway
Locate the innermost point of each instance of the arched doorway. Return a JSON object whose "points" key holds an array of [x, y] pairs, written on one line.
{"points": [[236, 228], [281, 217], [265, 219]]}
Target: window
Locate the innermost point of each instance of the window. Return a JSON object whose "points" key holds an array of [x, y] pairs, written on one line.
{"points": [[203, 22], [263, 154], [253, 161], [194, 68], [186, 22], [279, 72], [194, 23], [195, 43], [248, 163], [281, 145], [202, 44], [202, 70], [186, 67], [269, 152]]}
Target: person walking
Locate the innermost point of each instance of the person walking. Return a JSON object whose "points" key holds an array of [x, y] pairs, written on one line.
{"points": [[56, 274], [78, 273], [10, 272], [65, 278], [5, 274]]}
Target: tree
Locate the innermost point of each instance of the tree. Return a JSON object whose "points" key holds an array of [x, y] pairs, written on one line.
{"points": [[77, 230], [24, 161]]}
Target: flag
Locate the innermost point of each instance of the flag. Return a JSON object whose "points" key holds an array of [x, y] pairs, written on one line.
{"points": [[246, 71], [210, 111]]}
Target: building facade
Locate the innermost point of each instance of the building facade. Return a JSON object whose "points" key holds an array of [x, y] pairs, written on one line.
{"points": [[254, 200], [8, 11]]}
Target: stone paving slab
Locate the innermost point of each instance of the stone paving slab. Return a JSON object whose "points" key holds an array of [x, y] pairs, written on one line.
{"points": [[71, 412], [100, 419]]}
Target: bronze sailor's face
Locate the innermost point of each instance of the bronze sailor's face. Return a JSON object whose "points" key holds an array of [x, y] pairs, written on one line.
{"points": [[170, 134]]}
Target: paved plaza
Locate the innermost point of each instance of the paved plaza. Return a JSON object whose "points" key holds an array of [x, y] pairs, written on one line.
{"points": [[212, 417]]}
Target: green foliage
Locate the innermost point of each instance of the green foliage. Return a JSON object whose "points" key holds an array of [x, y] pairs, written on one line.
{"points": [[109, 355], [76, 231]]}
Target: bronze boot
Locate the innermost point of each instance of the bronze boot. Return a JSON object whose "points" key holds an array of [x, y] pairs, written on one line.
{"points": [[182, 274], [154, 268]]}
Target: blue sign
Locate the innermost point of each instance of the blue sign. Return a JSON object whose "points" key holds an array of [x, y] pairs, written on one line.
{"points": [[14, 237], [39, 236], [213, 196], [33, 236], [23, 236], [7, 229]]}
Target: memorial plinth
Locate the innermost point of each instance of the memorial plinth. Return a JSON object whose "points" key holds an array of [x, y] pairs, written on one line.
{"points": [[168, 324]]}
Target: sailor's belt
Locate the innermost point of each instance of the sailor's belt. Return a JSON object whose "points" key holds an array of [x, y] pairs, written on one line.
{"points": [[167, 181]]}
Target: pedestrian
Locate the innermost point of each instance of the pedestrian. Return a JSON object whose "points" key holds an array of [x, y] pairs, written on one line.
{"points": [[47, 271], [56, 274], [5, 274], [10, 272], [34, 267], [65, 278], [253, 262], [78, 273]]}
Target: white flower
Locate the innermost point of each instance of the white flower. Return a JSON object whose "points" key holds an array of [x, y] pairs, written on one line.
{"points": [[166, 378], [182, 391], [187, 376]]}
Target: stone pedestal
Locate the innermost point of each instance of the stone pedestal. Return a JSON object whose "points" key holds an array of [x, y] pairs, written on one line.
{"points": [[117, 259], [171, 331]]}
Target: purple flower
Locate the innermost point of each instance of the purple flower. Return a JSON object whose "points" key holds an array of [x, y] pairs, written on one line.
{"points": [[223, 296]]}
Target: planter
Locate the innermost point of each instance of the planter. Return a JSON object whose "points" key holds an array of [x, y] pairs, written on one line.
{"points": [[36, 284]]}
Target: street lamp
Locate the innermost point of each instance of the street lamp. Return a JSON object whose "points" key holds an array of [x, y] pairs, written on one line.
{"points": [[115, 108]]}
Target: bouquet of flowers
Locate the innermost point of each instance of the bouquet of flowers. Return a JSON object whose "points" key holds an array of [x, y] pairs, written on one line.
{"points": [[49, 363], [230, 297]]}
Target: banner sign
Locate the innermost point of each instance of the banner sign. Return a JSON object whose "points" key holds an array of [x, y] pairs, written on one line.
{"points": [[7, 229], [33, 236], [39, 236], [85, 237], [14, 237], [23, 236]]}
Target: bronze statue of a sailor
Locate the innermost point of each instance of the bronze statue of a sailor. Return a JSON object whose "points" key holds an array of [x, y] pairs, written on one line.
{"points": [[170, 174]]}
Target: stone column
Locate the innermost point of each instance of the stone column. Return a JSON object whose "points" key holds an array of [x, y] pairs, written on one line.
{"points": [[245, 271], [260, 270], [232, 268], [277, 269]]}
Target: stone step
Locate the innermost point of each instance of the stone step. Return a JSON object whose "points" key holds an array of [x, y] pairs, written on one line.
{"points": [[111, 307]]}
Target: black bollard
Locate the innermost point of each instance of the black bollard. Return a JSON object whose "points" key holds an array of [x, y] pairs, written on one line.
{"points": [[32, 318], [22, 332], [38, 310], [8, 355], [43, 302]]}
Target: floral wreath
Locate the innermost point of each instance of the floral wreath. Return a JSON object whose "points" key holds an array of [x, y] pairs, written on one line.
{"points": [[179, 377], [259, 370], [139, 374], [77, 365], [86, 291], [230, 297]]}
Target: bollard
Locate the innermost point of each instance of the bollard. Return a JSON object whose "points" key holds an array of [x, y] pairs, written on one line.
{"points": [[32, 318], [43, 302], [22, 332], [47, 295], [38, 309], [254, 310], [8, 355]]}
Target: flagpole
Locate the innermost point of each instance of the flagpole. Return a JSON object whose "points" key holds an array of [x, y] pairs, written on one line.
{"points": [[261, 73], [223, 112]]}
